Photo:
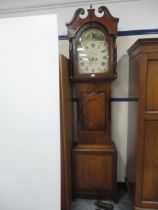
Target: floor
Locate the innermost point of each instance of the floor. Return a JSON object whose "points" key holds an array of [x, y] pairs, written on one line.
{"points": [[122, 204]]}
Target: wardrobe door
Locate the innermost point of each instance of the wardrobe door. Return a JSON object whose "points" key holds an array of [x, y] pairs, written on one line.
{"points": [[66, 134], [149, 183]]}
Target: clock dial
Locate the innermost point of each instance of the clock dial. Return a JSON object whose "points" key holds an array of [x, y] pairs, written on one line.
{"points": [[92, 52]]}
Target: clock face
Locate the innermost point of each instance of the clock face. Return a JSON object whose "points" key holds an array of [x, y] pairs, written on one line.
{"points": [[92, 52]]}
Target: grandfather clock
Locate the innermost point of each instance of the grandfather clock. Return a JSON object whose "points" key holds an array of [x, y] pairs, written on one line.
{"points": [[92, 69]]}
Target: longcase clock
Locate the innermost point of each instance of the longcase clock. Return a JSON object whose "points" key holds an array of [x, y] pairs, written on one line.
{"points": [[93, 58]]}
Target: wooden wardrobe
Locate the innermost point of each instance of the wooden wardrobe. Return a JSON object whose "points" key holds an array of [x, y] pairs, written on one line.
{"points": [[66, 134], [142, 151]]}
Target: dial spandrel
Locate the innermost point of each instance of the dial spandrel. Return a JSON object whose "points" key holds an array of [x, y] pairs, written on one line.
{"points": [[92, 52]]}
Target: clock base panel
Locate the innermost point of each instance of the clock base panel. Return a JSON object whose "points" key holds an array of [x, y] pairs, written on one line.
{"points": [[94, 171]]}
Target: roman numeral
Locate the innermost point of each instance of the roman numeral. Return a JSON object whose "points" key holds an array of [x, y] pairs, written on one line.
{"points": [[86, 47], [86, 68], [104, 57], [103, 63], [82, 64], [93, 45]]}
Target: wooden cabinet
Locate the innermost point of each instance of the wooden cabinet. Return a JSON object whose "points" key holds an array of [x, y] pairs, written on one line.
{"points": [[66, 134], [142, 151]]}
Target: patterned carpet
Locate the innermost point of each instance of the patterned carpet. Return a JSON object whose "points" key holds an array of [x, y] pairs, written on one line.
{"points": [[122, 204]]}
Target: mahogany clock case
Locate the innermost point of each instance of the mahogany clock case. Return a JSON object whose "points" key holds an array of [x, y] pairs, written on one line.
{"points": [[93, 152]]}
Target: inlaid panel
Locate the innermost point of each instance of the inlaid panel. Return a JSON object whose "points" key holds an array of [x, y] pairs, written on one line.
{"points": [[94, 125], [94, 110], [152, 85], [150, 178]]}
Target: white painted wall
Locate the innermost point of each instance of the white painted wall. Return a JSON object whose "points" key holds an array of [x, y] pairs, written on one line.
{"points": [[29, 114], [133, 14]]}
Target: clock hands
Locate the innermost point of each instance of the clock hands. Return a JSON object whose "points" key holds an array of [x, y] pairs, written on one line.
{"points": [[93, 55]]}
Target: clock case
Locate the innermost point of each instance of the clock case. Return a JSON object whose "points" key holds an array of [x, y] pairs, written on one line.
{"points": [[94, 156], [108, 25]]}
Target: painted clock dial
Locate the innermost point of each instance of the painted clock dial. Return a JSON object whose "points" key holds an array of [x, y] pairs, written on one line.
{"points": [[92, 52]]}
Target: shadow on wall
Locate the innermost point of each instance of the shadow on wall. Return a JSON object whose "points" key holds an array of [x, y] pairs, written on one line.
{"points": [[120, 85], [119, 136], [120, 115]]}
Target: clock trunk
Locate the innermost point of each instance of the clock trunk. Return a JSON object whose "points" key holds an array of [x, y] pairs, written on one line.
{"points": [[93, 154], [94, 120]]}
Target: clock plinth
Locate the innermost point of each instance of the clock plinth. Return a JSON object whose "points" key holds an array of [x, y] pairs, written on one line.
{"points": [[94, 171], [92, 69]]}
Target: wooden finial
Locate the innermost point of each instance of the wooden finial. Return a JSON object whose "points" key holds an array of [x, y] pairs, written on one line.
{"points": [[90, 6]]}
